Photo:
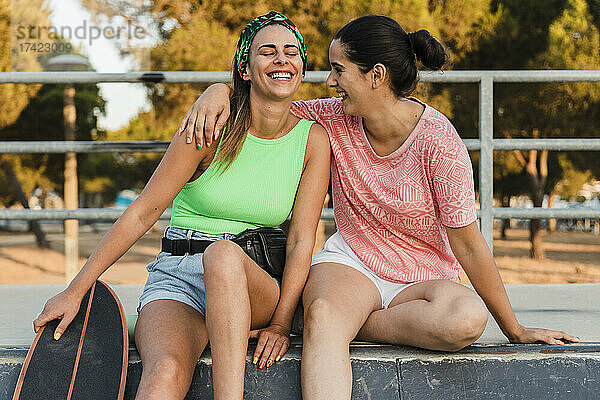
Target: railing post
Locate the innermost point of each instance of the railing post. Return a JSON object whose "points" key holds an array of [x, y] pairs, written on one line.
{"points": [[486, 158], [71, 188]]}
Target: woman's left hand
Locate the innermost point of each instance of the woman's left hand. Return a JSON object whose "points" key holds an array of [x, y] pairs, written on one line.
{"points": [[532, 335], [273, 342]]}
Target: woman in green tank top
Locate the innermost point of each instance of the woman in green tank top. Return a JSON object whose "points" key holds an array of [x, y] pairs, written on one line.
{"points": [[267, 164]]}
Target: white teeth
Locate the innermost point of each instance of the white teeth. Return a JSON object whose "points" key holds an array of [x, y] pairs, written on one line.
{"points": [[281, 75]]}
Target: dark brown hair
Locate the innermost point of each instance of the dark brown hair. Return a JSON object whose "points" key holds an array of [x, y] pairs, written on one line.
{"points": [[374, 39]]}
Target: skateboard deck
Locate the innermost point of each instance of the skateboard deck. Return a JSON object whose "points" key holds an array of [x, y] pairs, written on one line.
{"points": [[88, 362]]}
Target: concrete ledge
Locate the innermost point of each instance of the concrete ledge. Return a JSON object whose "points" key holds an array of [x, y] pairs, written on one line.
{"points": [[490, 369], [391, 372]]}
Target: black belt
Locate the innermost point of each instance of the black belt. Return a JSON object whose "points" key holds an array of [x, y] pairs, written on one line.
{"points": [[266, 246], [179, 247]]}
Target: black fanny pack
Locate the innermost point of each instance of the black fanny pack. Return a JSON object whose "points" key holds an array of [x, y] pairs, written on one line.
{"points": [[266, 246]]}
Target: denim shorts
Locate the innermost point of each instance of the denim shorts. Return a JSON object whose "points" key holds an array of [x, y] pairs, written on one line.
{"points": [[179, 278]]}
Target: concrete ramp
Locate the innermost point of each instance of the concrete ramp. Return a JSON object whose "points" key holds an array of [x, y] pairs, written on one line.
{"points": [[490, 369]]}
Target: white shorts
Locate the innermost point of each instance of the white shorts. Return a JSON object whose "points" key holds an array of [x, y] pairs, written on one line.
{"points": [[336, 250]]}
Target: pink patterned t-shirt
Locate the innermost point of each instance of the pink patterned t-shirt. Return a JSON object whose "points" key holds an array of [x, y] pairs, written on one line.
{"points": [[392, 210]]}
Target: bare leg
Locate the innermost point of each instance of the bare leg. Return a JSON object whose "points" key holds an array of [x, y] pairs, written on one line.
{"points": [[239, 295], [436, 315], [337, 301], [170, 336]]}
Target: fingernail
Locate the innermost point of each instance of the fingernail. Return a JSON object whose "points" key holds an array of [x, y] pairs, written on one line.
{"points": [[56, 336], [269, 363], [261, 365], [255, 360], [199, 147], [188, 140], [278, 358], [216, 133]]}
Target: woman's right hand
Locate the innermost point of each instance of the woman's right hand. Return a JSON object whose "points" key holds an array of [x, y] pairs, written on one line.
{"points": [[205, 120], [63, 306]]}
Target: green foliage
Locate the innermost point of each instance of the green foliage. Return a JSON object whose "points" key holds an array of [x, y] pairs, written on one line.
{"points": [[203, 37], [13, 97], [42, 120], [572, 179], [556, 34], [479, 34], [594, 8]]}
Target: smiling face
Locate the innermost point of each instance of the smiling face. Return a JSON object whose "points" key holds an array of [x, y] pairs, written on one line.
{"points": [[274, 66], [348, 80]]}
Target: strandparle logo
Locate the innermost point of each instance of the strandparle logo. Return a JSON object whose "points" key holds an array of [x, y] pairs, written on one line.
{"points": [[82, 31]]}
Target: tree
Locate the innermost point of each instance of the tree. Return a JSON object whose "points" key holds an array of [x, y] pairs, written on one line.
{"points": [[556, 34], [42, 120], [479, 34], [34, 112], [572, 179], [15, 97], [218, 23]]}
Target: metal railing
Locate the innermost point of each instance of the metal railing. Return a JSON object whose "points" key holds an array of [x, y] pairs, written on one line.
{"points": [[486, 144]]}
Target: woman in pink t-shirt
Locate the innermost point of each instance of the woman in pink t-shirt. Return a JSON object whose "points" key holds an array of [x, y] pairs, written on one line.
{"points": [[404, 206]]}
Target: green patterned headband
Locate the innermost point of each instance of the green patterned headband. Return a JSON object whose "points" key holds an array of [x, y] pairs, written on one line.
{"points": [[247, 36]]}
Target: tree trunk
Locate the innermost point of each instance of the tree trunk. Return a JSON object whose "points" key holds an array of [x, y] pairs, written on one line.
{"points": [[535, 236], [537, 179], [505, 222], [34, 226], [551, 221]]}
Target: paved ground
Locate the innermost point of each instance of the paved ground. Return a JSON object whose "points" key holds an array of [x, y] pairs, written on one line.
{"points": [[572, 257], [574, 308]]}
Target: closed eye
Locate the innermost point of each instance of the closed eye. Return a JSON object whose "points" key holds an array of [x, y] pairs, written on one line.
{"points": [[338, 68]]}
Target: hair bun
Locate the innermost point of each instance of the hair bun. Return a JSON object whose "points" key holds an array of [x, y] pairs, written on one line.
{"points": [[428, 50]]}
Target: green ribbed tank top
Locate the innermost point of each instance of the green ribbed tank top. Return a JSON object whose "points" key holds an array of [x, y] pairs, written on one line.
{"points": [[258, 189]]}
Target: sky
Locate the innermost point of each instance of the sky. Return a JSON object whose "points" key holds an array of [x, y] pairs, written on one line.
{"points": [[123, 100]]}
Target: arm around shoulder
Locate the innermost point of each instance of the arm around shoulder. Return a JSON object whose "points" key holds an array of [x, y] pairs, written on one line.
{"points": [[206, 118]]}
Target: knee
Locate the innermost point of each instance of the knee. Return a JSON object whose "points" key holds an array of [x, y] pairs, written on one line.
{"points": [[165, 371], [466, 322], [318, 317], [222, 260]]}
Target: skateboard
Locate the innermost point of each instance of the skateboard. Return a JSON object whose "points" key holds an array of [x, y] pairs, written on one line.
{"points": [[88, 362]]}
